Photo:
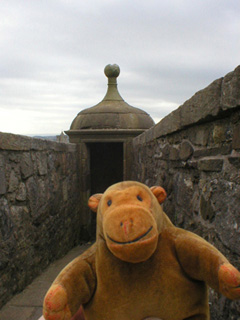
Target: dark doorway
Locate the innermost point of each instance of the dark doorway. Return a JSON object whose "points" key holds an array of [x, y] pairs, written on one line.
{"points": [[106, 168], [106, 165]]}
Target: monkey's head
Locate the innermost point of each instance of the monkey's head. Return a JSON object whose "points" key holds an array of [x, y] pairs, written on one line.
{"points": [[129, 219]]}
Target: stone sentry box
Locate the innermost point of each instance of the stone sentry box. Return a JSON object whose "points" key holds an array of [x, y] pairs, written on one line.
{"points": [[104, 136]]}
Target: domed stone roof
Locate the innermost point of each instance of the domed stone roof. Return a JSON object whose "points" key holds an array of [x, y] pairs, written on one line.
{"points": [[112, 112]]}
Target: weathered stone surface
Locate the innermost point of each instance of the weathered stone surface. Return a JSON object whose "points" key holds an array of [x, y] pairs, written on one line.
{"points": [[236, 136], [170, 123], [216, 151], [202, 186], [199, 137], [19, 214], [26, 165], [13, 182], [42, 163], [2, 161], [6, 225], [186, 150], [230, 90], [165, 151], [235, 161], [221, 94], [206, 209], [149, 135], [173, 153], [39, 207], [183, 194], [210, 165], [65, 190], [219, 134], [3, 186], [204, 104], [192, 164], [21, 193], [37, 196], [10, 141]]}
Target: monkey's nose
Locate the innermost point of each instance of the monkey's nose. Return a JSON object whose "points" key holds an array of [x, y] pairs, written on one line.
{"points": [[126, 225]]}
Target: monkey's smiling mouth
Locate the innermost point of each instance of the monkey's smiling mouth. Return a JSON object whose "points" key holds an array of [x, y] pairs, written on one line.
{"points": [[134, 240]]}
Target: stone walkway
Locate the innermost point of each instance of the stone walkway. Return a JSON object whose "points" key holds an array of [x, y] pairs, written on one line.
{"points": [[27, 305]]}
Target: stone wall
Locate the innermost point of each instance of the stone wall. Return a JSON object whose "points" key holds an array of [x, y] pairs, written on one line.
{"points": [[39, 207], [194, 153]]}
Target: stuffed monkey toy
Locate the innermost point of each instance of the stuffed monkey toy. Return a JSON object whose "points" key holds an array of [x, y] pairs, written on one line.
{"points": [[140, 266]]}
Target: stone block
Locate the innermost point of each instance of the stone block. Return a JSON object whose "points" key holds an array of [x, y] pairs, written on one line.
{"points": [[210, 165], [140, 140], [6, 225], [26, 165], [173, 153], [208, 152], [40, 144], [219, 134], [177, 164], [199, 136], [169, 124], [186, 150], [3, 186], [183, 195], [165, 152], [230, 97], [41, 159], [235, 161], [13, 182], [21, 193], [236, 137], [149, 134], [202, 105], [9, 141]]}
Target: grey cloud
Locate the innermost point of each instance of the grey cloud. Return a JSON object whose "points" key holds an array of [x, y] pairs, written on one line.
{"points": [[53, 52]]}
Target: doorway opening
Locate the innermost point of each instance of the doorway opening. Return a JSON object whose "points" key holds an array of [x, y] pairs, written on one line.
{"points": [[106, 168], [106, 165]]}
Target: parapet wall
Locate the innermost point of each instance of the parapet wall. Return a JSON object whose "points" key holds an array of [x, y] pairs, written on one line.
{"points": [[39, 207], [194, 153]]}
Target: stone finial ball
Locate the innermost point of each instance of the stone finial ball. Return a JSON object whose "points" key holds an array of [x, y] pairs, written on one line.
{"points": [[112, 71]]}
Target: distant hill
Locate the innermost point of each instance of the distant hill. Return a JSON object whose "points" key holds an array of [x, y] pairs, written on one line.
{"points": [[52, 138], [58, 138]]}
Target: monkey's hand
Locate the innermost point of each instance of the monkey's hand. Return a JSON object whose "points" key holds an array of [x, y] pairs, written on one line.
{"points": [[55, 305], [229, 281]]}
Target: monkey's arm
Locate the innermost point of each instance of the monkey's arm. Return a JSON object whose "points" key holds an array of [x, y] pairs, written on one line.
{"points": [[73, 287], [202, 261]]}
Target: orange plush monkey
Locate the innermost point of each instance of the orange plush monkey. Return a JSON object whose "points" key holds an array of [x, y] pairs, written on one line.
{"points": [[141, 265]]}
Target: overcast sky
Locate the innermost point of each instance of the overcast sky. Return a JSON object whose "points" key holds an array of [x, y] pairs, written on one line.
{"points": [[53, 53]]}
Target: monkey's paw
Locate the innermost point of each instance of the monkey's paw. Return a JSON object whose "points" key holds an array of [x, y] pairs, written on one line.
{"points": [[229, 281], [55, 305]]}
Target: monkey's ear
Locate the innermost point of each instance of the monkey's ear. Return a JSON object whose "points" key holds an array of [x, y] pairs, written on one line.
{"points": [[159, 193], [93, 201]]}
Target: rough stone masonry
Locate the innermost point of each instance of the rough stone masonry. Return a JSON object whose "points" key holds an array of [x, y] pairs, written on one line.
{"points": [[39, 209], [194, 153]]}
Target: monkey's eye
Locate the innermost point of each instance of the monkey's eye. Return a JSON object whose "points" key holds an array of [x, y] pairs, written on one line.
{"points": [[139, 198], [109, 202]]}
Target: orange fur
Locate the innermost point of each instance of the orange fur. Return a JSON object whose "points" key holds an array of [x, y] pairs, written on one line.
{"points": [[141, 265]]}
